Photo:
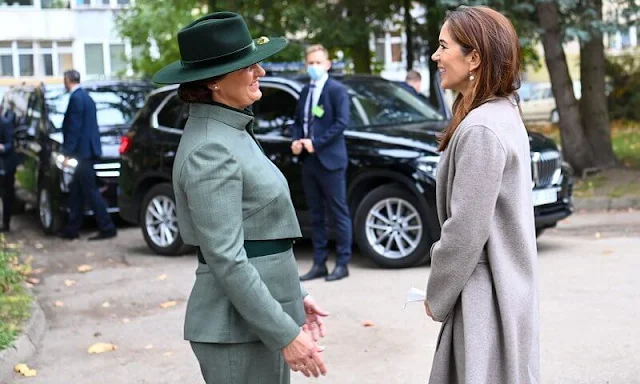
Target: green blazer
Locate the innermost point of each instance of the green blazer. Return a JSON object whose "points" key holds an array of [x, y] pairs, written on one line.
{"points": [[227, 191]]}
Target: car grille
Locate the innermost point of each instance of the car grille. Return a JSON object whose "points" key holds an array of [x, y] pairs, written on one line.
{"points": [[545, 168]]}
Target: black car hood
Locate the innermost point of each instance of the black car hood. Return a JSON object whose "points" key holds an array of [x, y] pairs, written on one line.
{"points": [[420, 136], [541, 143]]}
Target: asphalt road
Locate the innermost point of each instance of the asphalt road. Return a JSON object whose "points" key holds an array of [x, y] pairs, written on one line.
{"points": [[590, 296]]}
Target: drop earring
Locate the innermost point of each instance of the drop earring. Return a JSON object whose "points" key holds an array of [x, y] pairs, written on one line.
{"points": [[471, 77]]}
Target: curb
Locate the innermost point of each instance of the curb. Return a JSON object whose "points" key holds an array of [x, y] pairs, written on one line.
{"points": [[25, 347], [606, 203]]}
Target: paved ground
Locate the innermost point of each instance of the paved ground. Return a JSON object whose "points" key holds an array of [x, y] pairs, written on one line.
{"points": [[589, 309]]}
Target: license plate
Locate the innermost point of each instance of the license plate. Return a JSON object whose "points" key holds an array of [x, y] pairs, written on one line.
{"points": [[545, 196]]}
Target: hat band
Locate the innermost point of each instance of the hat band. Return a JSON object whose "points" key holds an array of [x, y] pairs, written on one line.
{"points": [[224, 59]]}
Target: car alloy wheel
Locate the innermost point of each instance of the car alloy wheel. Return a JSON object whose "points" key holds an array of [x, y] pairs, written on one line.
{"points": [[44, 209], [394, 228], [161, 221], [390, 227]]}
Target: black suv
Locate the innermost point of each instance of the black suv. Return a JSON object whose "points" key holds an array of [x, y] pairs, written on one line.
{"points": [[42, 180], [391, 176]]}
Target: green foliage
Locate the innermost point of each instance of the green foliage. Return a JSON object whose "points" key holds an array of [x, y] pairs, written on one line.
{"points": [[15, 303], [623, 100]]}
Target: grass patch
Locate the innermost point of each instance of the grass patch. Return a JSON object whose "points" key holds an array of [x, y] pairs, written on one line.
{"points": [[15, 302], [625, 139], [587, 187]]}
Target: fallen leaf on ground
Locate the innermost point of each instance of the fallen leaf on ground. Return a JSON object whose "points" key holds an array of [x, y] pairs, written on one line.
{"points": [[37, 271], [368, 323], [38, 245], [33, 280], [59, 303], [106, 304], [162, 277], [168, 304], [125, 320], [29, 285], [90, 254], [598, 235], [168, 354], [84, 268], [69, 283], [607, 252], [102, 348], [97, 334], [148, 346], [24, 370]]}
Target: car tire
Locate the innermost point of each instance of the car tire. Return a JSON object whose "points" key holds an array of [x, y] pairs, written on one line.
{"points": [[383, 236], [50, 219], [539, 231], [159, 222], [554, 117]]}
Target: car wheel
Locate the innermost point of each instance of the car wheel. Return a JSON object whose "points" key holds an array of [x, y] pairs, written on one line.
{"points": [[554, 117], [390, 228], [159, 221], [50, 219], [539, 232]]}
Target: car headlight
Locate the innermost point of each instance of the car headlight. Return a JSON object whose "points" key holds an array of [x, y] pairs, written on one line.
{"points": [[428, 165], [71, 165]]}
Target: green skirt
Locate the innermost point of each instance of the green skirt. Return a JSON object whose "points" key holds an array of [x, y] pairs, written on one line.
{"points": [[243, 363]]}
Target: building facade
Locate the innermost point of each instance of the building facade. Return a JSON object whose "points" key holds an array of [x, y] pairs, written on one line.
{"points": [[40, 39]]}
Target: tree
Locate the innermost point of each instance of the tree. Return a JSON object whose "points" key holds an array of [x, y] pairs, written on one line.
{"points": [[575, 147]]}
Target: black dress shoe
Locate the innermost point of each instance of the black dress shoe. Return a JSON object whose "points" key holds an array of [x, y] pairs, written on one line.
{"points": [[340, 272], [67, 235], [104, 235], [315, 272]]}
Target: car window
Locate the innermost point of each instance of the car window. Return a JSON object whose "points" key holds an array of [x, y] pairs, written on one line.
{"points": [[385, 103], [172, 113], [115, 106], [34, 114], [275, 112]]}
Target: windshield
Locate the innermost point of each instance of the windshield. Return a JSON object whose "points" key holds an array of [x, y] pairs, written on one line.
{"points": [[114, 105], [384, 103]]}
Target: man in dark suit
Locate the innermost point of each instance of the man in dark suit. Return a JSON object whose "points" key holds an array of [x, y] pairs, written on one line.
{"points": [[8, 165], [82, 143], [413, 82], [321, 118]]}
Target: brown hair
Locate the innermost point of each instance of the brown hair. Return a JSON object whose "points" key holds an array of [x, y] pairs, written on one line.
{"points": [[492, 35], [197, 91]]}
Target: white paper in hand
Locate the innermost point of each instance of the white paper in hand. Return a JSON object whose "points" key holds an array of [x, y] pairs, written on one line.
{"points": [[415, 295]]}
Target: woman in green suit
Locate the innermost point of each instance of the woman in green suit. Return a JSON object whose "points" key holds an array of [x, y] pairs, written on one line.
{"points": [[248, 319]]}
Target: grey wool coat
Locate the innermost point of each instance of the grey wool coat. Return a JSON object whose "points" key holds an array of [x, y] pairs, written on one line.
{"points": [[483, 284]]}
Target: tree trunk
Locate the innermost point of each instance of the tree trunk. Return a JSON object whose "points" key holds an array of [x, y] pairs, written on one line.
{"points": [[593, 103], [434, 18], [408, 22], [361, 55], [575, 147]]}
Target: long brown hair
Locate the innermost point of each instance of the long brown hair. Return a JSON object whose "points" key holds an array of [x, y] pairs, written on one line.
{"points": [[492, 35]]}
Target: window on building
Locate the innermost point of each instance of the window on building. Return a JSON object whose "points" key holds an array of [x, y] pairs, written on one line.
{"points": [[124, 2], [65, 62], [46, 62], [6, 65], [625, 38], [47, 4], [94, 59], [118, 59], [396, 52], [26, 65], [106, 2], [380, 50], [83, 3], [21, 3]]}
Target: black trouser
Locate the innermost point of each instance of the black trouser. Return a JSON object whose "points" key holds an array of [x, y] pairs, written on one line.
{"points": [[8, 196], [83, 189]]}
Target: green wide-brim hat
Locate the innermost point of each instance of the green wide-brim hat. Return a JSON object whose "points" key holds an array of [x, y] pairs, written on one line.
{"points": [[214, 45]]}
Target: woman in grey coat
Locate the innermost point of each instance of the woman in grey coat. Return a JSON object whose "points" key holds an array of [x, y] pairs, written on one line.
{"points": [[483, 283]]}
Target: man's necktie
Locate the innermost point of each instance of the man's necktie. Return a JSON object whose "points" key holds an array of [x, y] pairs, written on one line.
{"points": [[309, 114]]}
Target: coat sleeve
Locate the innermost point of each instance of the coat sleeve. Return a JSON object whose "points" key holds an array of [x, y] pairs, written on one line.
{"points": [[340, 104], [297, 125], [73, 129], [212, 179], [479, 165], [8, 122]]}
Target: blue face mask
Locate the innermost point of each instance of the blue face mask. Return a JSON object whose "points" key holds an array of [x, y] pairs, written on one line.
{"points": [[316, 72]]}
